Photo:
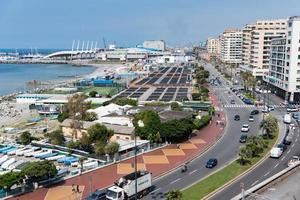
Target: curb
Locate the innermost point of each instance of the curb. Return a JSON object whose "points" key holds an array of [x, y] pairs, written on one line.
{"points": [[239, 176]]}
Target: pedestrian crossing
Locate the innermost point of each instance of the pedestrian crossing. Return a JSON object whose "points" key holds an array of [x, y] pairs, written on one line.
{"points": [[247, 106]]}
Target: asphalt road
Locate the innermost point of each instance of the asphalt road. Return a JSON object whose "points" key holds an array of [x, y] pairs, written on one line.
{"points": [[270, 166], [225, 150]]}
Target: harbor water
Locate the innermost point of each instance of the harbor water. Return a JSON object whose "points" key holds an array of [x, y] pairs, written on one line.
{"points": [[13, 77]]}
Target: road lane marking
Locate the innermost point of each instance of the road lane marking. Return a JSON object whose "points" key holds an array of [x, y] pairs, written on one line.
{"points": [[293, 145], [276, 165], [267, 173], [254, 183], [193, 171], [155, 190], [289, 151], [296, 139], [175, 180], [282, 158]]}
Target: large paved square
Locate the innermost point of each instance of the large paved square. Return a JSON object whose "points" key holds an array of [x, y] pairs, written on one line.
{"points": [[173, 152], [155, 159], [127, 168], [64, 192]]}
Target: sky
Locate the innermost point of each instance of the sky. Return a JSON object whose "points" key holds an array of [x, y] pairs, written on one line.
{"points": [[56, 23]]}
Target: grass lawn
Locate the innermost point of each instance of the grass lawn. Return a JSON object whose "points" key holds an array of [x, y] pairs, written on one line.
{"points": [[216, 180], [101, 90], [248, 95]]}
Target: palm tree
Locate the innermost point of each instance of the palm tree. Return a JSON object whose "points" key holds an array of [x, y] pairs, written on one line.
{"points": [[270, 125], [173, 195]]}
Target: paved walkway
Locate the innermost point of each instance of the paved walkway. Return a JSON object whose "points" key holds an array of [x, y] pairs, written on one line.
{"points": [[158, 162]]}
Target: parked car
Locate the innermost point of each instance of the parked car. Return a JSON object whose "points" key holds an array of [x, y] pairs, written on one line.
{"points": [[275, 152], [237, 117], [232, 101], [254, 112], [265, 110], [251, 118], [211, 163], [282, 146], [288, 139], [97, 195], [245, 128], [243, 138]]}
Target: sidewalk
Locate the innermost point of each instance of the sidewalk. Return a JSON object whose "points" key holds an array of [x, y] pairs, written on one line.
{"points": [[157, 162]]}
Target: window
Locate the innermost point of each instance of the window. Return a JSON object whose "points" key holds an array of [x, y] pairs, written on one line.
{"points": [[290, 24], [298, 56], [298, 71], [289, 41], [290, 33], [287, 64]]}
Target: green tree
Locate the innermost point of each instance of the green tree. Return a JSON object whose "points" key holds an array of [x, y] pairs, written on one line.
{"points": [[90, 116], [175, 106], [151, 122], [56, 138], [62, 116], [93, 93], [176, 130], [25, 138], [173, 195], [100, 148], [269, 125], [245, 155], [39, 170], [81, 160], [125, 101], [9, 179], [112, 148], [99, 132]]}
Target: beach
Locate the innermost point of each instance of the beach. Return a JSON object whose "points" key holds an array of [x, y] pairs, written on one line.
{"points": [[12, 113]]}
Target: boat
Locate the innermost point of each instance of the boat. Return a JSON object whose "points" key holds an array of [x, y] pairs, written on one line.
{"points": [[16, 164], [48, 151], [90, 164], [33, 153], [3, 159], [5, 148], [61, 160], [48, 155], [15, 150], [6, 164], [56, 157], [27, 151], [71, 160], [21, 151], [9, 150]]}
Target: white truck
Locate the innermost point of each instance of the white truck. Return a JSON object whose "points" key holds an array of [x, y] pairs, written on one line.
{"points": [[287, 118], [125, 187]]}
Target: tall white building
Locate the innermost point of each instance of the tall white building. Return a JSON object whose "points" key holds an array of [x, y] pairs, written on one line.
{"points": [[284, 66], [212, 45], [231, 46], [256, 44]]}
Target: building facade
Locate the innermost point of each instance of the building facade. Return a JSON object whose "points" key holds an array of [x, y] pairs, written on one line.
{"points": [[212, 45], [256, 44], [284, 66], [231, 46]]}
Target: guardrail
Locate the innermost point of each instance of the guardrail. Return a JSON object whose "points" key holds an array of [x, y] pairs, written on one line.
{"points": [[265, 182]]}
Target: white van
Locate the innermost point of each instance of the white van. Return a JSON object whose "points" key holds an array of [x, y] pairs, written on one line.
{"points": [[287, 118], [275, 152]]}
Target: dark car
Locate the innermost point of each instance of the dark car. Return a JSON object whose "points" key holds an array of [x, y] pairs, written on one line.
{"points": [[232, 101], [243, 138], [295, 116], [282, 146], [211, 163], [254, 112], [97, 195], [237, 117]]}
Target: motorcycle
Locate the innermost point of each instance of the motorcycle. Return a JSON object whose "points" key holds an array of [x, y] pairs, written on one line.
{"points": [[183, 169]]}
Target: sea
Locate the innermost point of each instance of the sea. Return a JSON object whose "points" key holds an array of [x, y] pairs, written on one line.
{"points": [[13, 77]]}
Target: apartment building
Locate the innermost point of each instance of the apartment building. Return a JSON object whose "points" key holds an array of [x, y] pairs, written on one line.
{"points": [[212, 45], [284, 66], [256, 44], [231, 46]]}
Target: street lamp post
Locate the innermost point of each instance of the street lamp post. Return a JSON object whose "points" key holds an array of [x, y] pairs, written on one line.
{"points": [[140, 124]]}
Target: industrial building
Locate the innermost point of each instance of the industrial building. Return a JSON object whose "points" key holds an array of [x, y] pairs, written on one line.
{"points": [[155, 44]]}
